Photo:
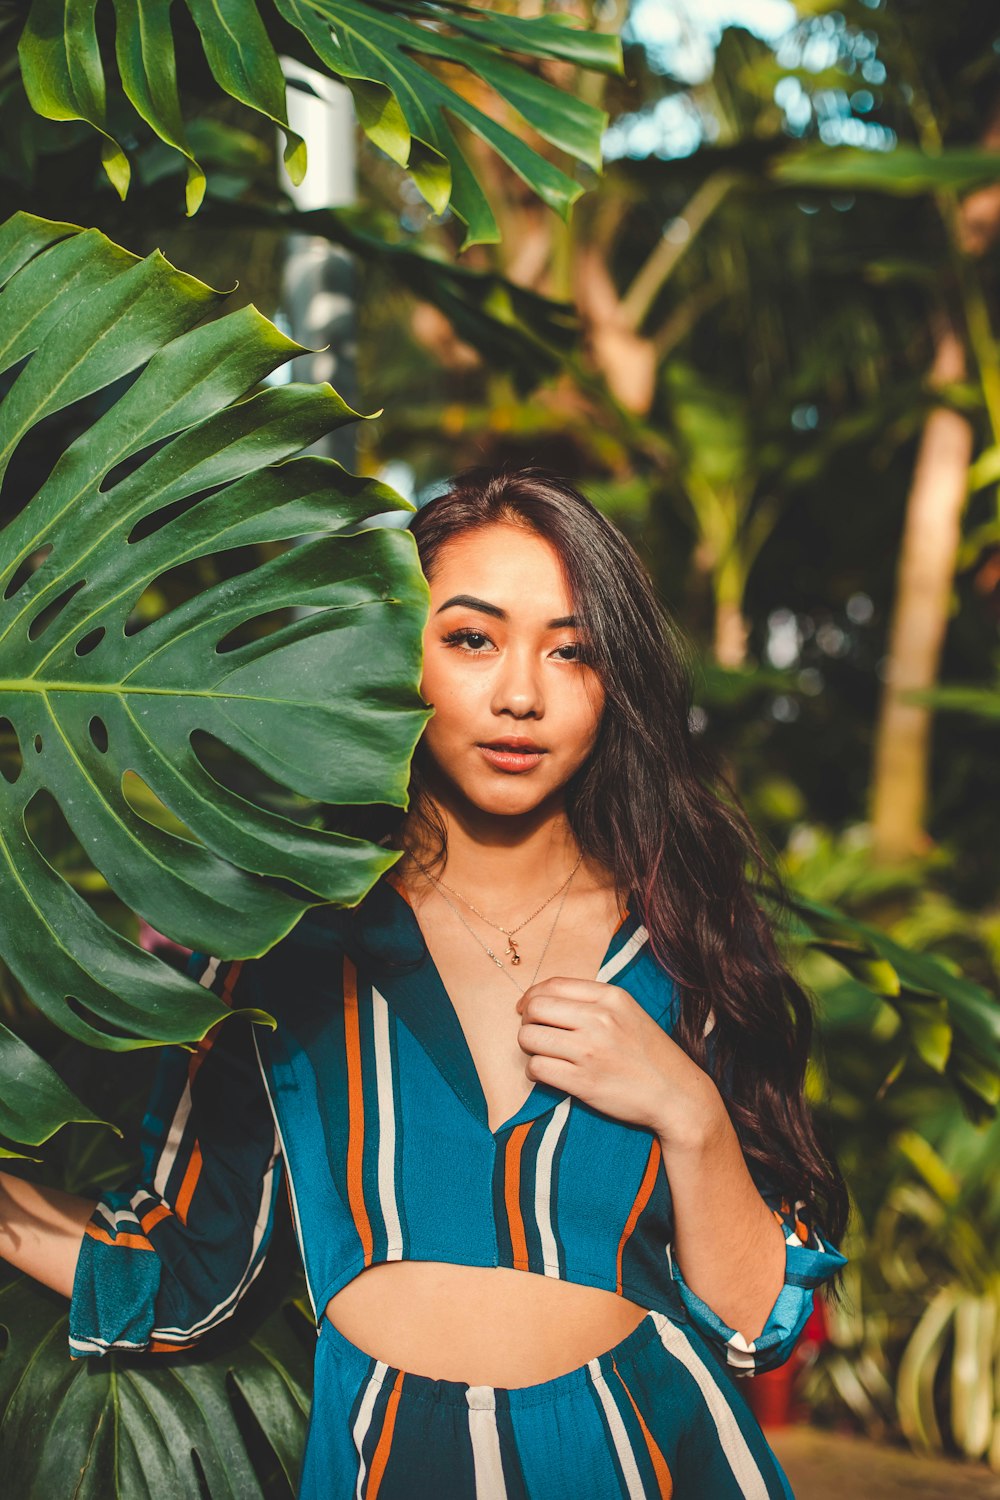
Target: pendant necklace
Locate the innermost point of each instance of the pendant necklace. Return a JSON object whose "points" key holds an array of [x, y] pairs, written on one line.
{"points": [[511, 950], [485, 946]]}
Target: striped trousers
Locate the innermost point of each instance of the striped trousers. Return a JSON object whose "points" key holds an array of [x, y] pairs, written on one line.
{"points": [[655, 1416]]}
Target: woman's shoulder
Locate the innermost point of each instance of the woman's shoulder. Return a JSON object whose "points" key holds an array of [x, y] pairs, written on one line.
{"points": [[374, 931]]}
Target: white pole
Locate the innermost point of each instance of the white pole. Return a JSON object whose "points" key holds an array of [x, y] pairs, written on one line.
{"points": [[318, 283]]}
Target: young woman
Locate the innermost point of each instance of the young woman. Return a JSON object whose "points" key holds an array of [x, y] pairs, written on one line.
{"points": [[537, 1102]]}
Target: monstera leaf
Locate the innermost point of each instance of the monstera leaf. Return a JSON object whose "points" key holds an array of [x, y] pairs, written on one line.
{"points": [[189, 461], [391, 54], [130, 1425]]}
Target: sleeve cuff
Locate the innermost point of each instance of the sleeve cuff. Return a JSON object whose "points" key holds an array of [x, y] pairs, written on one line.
{"points": [[115, 1284], [807, 1266]]}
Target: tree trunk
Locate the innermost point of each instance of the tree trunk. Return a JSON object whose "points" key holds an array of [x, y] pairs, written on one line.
{"points": [[920, 616]]}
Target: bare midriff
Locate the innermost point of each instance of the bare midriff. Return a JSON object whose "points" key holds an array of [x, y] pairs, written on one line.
{"points": [[491, 1325], [484, 1325]]}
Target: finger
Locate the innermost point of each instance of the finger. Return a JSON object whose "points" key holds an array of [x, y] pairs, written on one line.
{"points": [[572, 989], [554, 1010], [554, 1071], [551, 1041]]}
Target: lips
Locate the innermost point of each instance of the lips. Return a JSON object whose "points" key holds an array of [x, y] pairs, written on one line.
{"points": [[512, 754]]}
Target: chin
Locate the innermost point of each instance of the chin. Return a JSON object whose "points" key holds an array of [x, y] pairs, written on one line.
{"points": [[508, 799]]}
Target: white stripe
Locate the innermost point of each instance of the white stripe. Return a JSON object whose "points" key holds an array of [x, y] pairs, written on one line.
{"points": [[739, 1353], [94, 1345], [228, 1305], [734, 1445], [360, 1431], [623, 1447], [120, 1216], [291, 1185], [485, 1443], [386, 1129], [543, 1187], [171, 1145], [624, 956]]}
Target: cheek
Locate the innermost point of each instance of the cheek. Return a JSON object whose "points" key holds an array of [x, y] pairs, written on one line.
{"points": [[451, 692], [585, 713]]}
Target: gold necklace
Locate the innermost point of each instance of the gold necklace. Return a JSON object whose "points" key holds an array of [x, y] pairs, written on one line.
{"points": [[499, 962], [511, 950]]}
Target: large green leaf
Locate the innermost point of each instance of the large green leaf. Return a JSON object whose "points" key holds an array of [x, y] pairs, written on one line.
{"points": [[325, 705], [133, 1426], [388, 52], [35, 1102]]}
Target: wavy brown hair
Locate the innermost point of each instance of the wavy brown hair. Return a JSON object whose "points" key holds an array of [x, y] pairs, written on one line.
{"points": [[652, 804]]}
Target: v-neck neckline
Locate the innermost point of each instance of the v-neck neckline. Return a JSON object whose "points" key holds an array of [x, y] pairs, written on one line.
{"points": [[419, 995]]}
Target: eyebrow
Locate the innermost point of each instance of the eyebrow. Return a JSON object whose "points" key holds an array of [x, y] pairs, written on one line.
{"points": [[471, 602]]}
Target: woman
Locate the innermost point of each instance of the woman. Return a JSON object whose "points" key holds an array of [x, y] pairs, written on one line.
{"points": [[555, 1039]]}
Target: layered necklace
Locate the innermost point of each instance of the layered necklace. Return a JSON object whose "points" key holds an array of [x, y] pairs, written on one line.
{"points": [[508, 932]]}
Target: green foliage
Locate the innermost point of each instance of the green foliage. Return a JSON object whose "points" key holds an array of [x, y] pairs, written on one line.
{"points": [[392, 56], [172, 1426], [322, 704]]}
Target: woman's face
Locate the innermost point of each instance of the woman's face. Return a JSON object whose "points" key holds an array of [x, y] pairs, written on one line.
{"points": [[516, 708]]}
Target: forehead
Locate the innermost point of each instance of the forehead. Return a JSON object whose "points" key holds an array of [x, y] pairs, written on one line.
{"points": [[506, 565]]}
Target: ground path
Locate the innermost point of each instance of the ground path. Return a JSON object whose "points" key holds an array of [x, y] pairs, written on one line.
{"points": [[835, 1466]]}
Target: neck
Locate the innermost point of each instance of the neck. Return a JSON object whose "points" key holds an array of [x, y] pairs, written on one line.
{"points": [[509, 857]]}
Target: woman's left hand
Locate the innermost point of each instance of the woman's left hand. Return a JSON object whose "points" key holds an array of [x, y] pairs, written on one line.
{"points": [[595, 1041]]}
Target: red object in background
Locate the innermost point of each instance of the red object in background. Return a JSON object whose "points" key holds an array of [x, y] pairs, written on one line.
{"points": [[162, 947], [771, 1394]]}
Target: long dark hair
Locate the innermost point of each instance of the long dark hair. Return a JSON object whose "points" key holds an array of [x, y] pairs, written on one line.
{"points": [[653, 806]]}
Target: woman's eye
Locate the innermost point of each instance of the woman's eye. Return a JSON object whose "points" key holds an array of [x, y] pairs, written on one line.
{"points": [[575, 651], [471, 640]]}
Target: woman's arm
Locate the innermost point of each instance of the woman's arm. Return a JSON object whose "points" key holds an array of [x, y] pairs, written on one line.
{"points": [[170, 1255], [727, 1241], [726, 1255], [743, 1257], [158, 1262], [41, 1230]]}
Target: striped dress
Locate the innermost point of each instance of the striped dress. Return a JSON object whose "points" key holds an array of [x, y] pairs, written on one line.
{"points": [[366, 1105]]}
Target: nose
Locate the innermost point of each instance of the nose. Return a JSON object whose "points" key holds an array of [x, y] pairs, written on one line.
{"points": [[517, 687]]}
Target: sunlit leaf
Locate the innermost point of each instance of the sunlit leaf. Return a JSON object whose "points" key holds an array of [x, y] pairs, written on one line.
{"points": [[325, 704]]}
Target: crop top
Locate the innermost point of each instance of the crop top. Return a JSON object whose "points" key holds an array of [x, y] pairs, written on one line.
{"points": [[366, 1103]]}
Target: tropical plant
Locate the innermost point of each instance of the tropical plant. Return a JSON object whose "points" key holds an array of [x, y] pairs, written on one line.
{"points": [[186, 463], [916, 1344], [405, 64], [431, 83], [186, 752]]}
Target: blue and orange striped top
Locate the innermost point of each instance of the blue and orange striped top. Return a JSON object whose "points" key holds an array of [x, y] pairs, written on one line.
{"points": [[366, 1104]]}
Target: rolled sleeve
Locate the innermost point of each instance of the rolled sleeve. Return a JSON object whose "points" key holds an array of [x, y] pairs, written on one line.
{"points": [[169, 1256], [810, 1260]]}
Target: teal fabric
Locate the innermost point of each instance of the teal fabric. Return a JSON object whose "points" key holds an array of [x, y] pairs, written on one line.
{"points": [[365, 1105], [654, 1416]]}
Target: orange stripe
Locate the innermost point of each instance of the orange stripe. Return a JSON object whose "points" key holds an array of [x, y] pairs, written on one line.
{"points": [[642, 1198], [231, 977], [355, 1111], [192, 1171], [512, 1195], [153, 1217], [163, 1346], [191, 1174], [665, 1483], [126, 1241], [381, 1455]]}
